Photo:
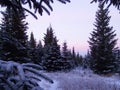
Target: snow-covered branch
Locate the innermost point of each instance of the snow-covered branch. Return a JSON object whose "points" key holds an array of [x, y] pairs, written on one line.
{"points": [[15, 76]]}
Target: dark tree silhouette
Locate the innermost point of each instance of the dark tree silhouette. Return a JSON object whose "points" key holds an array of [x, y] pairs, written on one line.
{"points": [[48, 39], [32, 51], [67, 57], [15, 25], [102, 43], [38, 5], [32, 42], [14, 39], [52, 57], [115, 3]]}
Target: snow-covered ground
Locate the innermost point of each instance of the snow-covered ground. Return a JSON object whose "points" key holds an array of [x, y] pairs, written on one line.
{"points": [[79, 79]]}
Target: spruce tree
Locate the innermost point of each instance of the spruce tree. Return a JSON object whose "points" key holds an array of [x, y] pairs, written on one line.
{"points": [[79, 59], [32, 41], [87, 60], [52, 57], [117, 57], [74, 58], [39, 45], [32, 50], [14, 27], [66, 56], [102, 43], [65, 53], [40, 50], [73, 53], [48, 39]]}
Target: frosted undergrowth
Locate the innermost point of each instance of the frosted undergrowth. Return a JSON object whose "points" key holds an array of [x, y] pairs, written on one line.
{"points": [[81, 80]]}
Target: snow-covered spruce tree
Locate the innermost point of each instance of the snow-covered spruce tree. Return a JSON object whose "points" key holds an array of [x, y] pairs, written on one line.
{"points": [[7, 44], [14, 26], [77, 59], [32, 51], [49, 36], [51, 60], [117, 56], [32, 41], [102, 43], [87, 60], [74, 57], [67, 57], [39, 54], [15, 76]]}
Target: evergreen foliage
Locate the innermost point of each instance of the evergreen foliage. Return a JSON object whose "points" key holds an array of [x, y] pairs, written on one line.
{"points": [[40, 50], [13, 28], [15, 25], [15, 76], [65, 52], [10, 48], [86, 63], [32, 50], [32, 41], [77, 59], [115, 3], [102, 43], [49, 36], [36, 5], [117, 57], [67, 57], [39, 45], [52, 57], [73, 53]]}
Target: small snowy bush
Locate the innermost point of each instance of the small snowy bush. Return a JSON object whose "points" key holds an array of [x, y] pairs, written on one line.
{"points": [[15, 76]]}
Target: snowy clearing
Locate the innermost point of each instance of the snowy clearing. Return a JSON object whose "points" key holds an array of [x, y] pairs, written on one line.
{"points": [[80, 80]]}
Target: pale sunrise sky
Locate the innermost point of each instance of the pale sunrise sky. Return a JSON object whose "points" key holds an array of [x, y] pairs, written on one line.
{"points": [[72, 23]]}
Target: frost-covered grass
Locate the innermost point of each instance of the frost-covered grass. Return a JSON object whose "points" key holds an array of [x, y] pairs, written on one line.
{"points": [[79, 79]]}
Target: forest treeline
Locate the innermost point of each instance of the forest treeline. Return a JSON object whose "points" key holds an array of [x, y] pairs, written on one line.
{"points": [[15, 46], [22, 59], [102, 57]]}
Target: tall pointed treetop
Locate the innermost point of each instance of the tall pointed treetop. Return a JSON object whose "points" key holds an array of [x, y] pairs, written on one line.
{"points": [[102, 43]]}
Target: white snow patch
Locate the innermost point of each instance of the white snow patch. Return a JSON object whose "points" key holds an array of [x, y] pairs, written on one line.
{"points": [[48, 86]]}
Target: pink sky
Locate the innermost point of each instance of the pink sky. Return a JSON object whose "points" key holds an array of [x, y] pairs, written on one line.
{"points": [[73, 23]]}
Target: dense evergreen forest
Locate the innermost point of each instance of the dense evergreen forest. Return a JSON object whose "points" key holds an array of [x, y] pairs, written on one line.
{"points": [[16, 46], [20, 56]]}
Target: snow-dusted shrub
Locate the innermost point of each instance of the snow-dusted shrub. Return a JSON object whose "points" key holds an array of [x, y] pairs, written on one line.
{"points": [[15, 76]]}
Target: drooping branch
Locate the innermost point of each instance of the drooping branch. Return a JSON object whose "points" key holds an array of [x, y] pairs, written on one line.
{"points": [[37, 5], [115, 3]]}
